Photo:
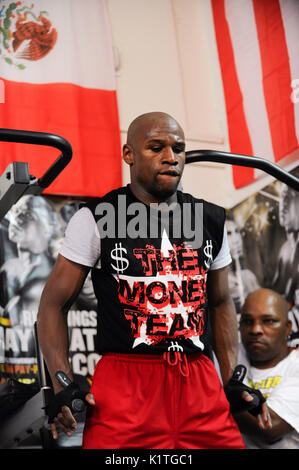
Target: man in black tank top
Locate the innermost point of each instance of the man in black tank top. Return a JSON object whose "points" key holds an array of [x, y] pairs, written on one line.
{"points": [[164, 305]]}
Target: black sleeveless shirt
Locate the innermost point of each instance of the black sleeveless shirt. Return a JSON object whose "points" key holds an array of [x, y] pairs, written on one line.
{"points": [[152, 284]]}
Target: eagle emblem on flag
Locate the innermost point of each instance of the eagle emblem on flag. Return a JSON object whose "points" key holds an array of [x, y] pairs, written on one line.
{"points": [[24, 34]]}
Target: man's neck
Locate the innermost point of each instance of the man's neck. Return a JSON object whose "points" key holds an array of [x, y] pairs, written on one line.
{"points": [[148, 198], [273, 362]]}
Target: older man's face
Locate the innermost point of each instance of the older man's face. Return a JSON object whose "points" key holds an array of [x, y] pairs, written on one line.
{"points": [[264, 328]]}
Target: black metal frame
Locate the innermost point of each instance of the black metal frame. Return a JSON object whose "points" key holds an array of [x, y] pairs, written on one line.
{"points": [[45, 139], [193, 156], [16, 181]]}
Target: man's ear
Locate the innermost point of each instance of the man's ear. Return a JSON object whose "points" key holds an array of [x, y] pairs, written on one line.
{"points": [[128, 155]]}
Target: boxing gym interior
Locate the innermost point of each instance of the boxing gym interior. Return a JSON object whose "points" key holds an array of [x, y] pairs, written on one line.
{"points": [[73, 76]]}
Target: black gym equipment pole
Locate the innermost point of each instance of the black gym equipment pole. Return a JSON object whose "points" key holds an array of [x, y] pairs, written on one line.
{"points": [[16, 181], [193, 156]]}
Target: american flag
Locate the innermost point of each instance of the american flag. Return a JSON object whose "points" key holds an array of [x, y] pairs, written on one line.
{"points": [[258, 48]]}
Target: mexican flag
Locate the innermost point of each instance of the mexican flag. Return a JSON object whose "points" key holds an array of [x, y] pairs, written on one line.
{"points": [[258, 48], [57, 76]]}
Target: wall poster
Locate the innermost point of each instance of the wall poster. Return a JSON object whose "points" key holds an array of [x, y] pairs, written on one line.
{"points": [[263, 234], [30, 237]]}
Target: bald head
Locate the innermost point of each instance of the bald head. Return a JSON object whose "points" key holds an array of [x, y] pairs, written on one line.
{"points": [[268, 299], [145, 123]]}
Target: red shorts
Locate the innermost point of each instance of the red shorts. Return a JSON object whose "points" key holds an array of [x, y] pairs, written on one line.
{"points": [[143, 402]]}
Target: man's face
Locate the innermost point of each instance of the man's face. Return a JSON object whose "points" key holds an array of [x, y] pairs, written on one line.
{"points": [[158, 158], [289, 209], [234, 239], [264, 330], [25, 228]]}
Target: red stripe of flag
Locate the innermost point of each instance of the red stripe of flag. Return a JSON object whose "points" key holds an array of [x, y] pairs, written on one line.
{"points": [[239, 137], [87, 118], [276, 76]]}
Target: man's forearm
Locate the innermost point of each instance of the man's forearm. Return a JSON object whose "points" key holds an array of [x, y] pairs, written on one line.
{"points": [[225, 337], [61, 290], [248, 425], [54, 342]]}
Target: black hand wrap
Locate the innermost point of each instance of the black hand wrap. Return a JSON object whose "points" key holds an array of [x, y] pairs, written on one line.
{"points": [[71, 396], [234, 389]]}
